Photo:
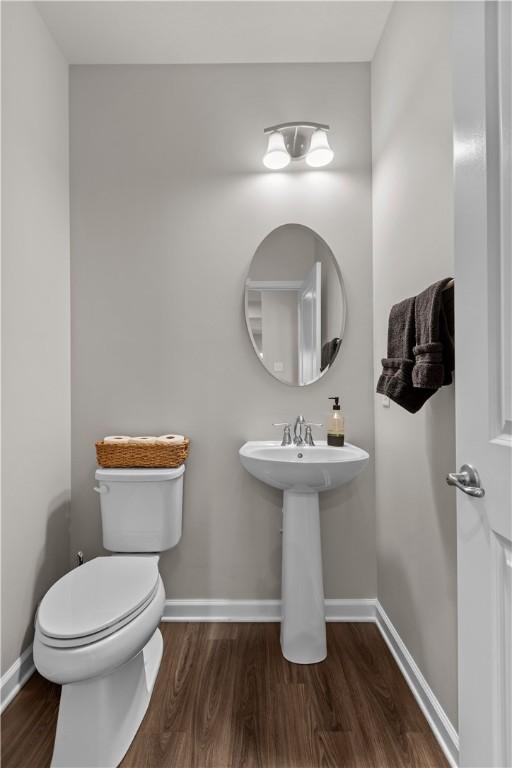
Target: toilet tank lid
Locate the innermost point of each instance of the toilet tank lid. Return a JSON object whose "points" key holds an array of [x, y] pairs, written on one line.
{"points": [[139, 475]]}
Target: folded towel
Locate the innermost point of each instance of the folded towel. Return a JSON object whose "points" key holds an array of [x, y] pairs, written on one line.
{"points": [[143, 440], [111, 439], [434, 350], [421, 352], [395, 380], [329, 352], [170, 439]]}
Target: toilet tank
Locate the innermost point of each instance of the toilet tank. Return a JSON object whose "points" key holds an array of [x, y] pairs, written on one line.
{"points": [[141, 509]]}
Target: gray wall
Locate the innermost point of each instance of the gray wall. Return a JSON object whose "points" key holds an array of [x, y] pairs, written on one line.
{"points": [[35, 321], [169, 203], [413, 247]]}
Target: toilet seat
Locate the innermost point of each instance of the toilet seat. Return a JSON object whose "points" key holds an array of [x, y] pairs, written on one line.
{"points": [[76, 642], [92, 658], [95, 600]]}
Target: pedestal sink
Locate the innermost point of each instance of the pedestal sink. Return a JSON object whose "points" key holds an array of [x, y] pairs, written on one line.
{"points": [[302, 473]]}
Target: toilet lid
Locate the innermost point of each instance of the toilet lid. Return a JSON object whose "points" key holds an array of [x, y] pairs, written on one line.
{"points": [[97, 595]]}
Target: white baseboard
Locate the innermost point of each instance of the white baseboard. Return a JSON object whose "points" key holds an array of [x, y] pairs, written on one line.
{"points": [[363, 609], [261, 610], [16, 677], [222, 610], [438, 720], [270, 610]]}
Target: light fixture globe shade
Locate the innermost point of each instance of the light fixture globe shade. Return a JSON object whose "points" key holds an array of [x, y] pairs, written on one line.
{"points": [[319, 152], [276, 156]]}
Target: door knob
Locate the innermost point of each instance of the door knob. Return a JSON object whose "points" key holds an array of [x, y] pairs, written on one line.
{"points": [[466, 480]]}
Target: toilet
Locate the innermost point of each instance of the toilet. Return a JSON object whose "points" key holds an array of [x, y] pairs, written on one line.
{"points": [[96, 630]]}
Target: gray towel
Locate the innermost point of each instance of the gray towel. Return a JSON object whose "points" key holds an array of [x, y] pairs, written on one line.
{"points": [[396, 378], [420, 347], [434, 350]]}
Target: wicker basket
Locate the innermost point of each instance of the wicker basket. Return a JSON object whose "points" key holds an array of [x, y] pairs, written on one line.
{"points": [[113, 455]]}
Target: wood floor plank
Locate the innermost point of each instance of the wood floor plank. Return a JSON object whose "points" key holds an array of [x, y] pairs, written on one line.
{"points": [[425, 751], [213, 700], [168, 750], [171, 707], [294, 736], [251, 699], [226, 698], [336, 749], [414, 720], [329, 696], [381, 711]]}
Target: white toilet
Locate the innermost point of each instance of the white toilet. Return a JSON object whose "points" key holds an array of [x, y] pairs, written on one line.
{"points": [[97, 628]]}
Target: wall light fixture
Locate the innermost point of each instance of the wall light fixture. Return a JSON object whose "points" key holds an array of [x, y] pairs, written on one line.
{"points": [[297, 141]]}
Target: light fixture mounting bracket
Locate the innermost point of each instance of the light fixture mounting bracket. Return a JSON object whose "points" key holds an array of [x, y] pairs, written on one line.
{"points": [[297, 136]]}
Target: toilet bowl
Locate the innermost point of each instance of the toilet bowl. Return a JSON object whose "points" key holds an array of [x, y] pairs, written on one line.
{"points": [[96, 630], [97, 635]]}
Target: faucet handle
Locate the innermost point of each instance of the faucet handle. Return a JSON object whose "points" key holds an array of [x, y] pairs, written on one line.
{"points": [[308, 437], [287, 438]]}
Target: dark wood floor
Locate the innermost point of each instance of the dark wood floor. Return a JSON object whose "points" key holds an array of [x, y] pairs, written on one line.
{"points": [[226, 698]]}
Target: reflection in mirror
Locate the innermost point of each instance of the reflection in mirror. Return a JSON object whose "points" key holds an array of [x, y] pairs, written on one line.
{"points": [[294, 305]]}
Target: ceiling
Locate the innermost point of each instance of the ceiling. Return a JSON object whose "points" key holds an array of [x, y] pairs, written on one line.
{"points": [[215, 31]]}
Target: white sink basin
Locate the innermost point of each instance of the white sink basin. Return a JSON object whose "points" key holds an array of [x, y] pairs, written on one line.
{"points": [[308, 468], [302, 473]]}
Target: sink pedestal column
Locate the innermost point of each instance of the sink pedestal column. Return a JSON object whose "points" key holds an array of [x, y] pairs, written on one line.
{"points": [[302, 590]]}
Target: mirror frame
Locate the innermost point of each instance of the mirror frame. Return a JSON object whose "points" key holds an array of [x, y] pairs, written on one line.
{"points": [[343, 293]]}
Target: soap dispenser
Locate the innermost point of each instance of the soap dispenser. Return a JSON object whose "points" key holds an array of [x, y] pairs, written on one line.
{"points": [[336, 425]]}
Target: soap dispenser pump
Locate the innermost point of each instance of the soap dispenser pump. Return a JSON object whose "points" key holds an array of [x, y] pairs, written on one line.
{"points": [[336, 425]]}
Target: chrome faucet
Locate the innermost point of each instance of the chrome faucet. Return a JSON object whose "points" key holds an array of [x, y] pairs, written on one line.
{"points": [[297, 430], [298, 438]]}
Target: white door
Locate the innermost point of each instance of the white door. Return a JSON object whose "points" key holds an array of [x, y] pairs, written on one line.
{"points": [[310, 308], [483, 376]]}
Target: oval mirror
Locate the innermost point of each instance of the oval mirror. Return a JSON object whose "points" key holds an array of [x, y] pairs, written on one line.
{"points": [[295, 305]]}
